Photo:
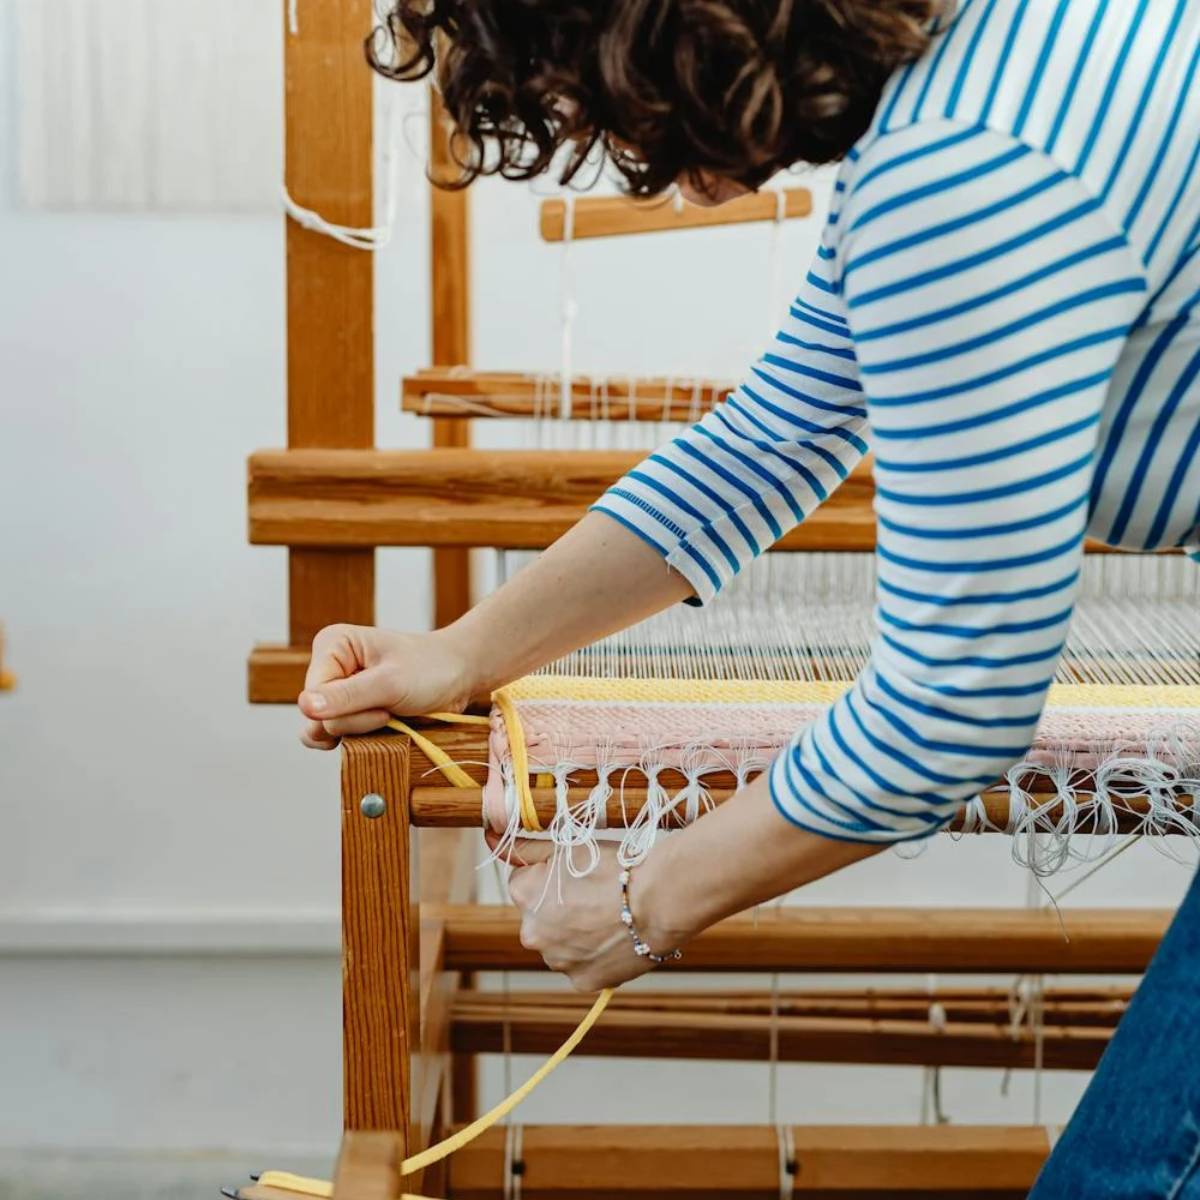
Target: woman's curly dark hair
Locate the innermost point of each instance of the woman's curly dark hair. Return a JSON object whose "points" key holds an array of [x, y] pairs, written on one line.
{"points": [[670, 89]]}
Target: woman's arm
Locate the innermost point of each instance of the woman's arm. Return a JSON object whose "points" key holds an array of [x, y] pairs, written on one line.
{"points": [[989, 298], [676, 528]]}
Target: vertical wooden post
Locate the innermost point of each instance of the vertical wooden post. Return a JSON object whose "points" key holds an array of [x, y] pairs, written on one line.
{"points": [[330, 287], [450, 290], [368, 1166], [380, 923]]}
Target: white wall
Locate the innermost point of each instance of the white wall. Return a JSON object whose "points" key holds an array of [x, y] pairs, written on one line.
{"points": [[168, 855]]}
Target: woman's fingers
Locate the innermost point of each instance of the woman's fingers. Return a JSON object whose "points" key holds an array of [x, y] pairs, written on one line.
{"points": [[370, 691], [524, 852], [366, 722], [315, 736]]}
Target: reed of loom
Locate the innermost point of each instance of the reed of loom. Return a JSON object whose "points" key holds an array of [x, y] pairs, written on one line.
{"points": [[412, 937]]}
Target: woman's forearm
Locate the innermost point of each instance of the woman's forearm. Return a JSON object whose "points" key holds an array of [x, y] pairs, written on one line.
{"points": [[745, 853], [597, 579]]}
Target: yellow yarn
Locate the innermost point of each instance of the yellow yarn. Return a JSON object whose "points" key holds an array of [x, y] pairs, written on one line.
{"points": [[735, 691], [419, 1162], [323, 1188]]}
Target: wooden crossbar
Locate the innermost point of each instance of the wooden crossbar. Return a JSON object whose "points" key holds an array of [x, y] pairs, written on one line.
{"points": [[832, 1162], [946, 941], [616, 216], [461, 808], [516, 499], [448, 392], [488, 1023]]}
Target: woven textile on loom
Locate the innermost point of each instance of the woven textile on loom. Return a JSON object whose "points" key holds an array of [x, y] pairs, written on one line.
{"points": [[696, 694]]}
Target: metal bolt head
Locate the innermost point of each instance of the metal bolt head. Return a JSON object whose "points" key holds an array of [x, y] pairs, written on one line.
{"points": [[372, 805]]}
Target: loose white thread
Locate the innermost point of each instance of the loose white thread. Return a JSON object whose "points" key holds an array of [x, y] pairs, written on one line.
{"points": [[372, 238], [776, 262], [788, 1167], [293, 14], [569, 306]]}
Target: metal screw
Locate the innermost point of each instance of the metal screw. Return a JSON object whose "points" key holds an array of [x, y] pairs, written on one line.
{"points": [[372, 805]]}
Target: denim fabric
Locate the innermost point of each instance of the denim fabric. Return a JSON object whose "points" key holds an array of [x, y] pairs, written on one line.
{"points": [[1136, 1132]]}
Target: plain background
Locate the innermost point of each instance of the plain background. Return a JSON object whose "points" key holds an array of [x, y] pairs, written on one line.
{"points": [[168, 854]]}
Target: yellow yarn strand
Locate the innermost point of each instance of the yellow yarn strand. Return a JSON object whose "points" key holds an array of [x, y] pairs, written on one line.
{"points": [[436, 755], [520, 759], [323, 1188]]}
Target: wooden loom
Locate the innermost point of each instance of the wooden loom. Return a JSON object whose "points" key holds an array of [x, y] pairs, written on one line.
{"points": [[412, 937]]}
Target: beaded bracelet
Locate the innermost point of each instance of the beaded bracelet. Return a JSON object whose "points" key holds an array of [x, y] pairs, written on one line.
{"points": [[640, 948]]}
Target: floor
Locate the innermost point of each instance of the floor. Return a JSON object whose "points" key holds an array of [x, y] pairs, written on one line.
{"points": [[46, 1176]]}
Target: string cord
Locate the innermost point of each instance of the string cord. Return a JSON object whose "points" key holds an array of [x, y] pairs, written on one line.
{"points": [[323, 1188]]}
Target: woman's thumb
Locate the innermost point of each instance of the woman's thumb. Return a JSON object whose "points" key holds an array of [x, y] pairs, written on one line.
{"points": [[367, 691]]}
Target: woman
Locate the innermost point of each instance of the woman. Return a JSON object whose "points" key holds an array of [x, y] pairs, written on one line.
{"points": [[1003, 304]]}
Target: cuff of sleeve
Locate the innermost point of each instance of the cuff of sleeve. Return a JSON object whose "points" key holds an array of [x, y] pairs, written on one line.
{"points": [[814, 813], [708, 556], [669, 539]]}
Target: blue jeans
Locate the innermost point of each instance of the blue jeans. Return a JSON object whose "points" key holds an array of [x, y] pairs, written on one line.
{"points": [[1136, 1132]]}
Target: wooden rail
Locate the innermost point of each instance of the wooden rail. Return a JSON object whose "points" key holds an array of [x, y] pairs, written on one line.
{"points": [[515, 499], [442, 392], [946, 941], [462, 808], [832, 1163], [609, 1162], [487, 1023], [617, 216]]}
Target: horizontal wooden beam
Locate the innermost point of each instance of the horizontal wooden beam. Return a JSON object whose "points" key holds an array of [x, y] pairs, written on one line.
{"points": [[617, 216], [1100, 1006], [462, 808], [454, 392], [491, 1027], [515, 499], [831, 1162], [810, 939], [275, 674]]}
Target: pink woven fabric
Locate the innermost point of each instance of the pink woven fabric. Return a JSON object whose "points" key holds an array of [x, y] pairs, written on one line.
{"points": [[703, 738]]}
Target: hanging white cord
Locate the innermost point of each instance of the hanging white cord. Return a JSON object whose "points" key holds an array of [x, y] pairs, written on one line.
{"points": [[569, 306], [372, 238], [788, 1167], [773, 299]]}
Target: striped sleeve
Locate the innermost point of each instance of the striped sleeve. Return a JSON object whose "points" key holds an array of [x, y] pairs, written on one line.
{"points": [[717, 496], [988, 299]]}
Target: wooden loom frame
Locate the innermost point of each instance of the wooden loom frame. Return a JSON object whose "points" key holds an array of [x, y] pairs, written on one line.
{"points": [[412, 939]]}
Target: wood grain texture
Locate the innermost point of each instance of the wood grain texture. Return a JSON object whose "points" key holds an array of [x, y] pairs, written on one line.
{"points": [[330, 289], [616, 216], [328, 587], [275, 674], [833, 1163], [633, 1033], [505, 394], [462, 808], [380, 939], [1101, 1006], [330, 301], [368, 1166], [450, 299], [504, 498], [946, 941]]}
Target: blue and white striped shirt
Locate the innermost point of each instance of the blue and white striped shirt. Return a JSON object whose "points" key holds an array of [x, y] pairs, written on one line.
{"points": [[1004, 305]]}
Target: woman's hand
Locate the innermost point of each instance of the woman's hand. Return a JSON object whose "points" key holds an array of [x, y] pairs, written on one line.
{"points": [[360, 676], [575, 924]]}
